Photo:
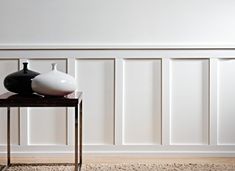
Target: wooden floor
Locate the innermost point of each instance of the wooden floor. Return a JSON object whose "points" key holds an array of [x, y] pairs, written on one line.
{"points": [[115, 159]]}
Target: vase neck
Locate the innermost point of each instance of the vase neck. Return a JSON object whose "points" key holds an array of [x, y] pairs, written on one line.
{"points": [[25, 67], [54, 66]]}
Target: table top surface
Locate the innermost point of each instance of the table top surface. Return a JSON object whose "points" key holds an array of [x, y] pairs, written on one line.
{"points": [[10, 99]]}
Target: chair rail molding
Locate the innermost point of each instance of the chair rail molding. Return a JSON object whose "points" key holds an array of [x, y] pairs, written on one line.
{"points": [[115, 46]]}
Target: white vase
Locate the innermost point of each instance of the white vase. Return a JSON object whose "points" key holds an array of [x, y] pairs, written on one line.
{"points": [[54, 83]]}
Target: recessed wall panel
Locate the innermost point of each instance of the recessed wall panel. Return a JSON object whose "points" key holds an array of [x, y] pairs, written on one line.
{"points": [[189, 101], [96, 80], [8, 66], [47, 125], [142, 101], [226, 114]]}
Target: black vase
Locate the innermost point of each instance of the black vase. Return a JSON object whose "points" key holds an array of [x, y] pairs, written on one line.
{"points": [[20, 82]]}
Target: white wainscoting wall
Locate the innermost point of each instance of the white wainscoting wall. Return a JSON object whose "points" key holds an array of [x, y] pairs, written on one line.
{"points": [[137, 101]]}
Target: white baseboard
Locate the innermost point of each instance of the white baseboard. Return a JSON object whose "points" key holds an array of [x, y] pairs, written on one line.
{"points": [[162, 154]]}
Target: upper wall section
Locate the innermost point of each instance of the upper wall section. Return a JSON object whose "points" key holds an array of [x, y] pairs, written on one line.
{"points": [[120, 23]]}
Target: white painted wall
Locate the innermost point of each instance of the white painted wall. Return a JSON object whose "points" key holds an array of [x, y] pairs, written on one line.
{"points": [[95, 78], [142, 89], [189, 101], [120, 23], [186, 104], [226, 98]]}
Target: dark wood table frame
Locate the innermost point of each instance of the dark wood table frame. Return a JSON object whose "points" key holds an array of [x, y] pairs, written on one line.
{"points": [[73, 100]]}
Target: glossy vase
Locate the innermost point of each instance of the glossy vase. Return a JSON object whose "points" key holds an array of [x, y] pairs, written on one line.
{"points": [[54, 83], [20, 82]]}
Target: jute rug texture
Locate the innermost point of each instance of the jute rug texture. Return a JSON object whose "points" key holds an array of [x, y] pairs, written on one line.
{"points": [[132, 167]]}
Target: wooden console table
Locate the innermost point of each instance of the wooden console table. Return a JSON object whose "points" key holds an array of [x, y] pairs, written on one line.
{"points": [[73, 100]]}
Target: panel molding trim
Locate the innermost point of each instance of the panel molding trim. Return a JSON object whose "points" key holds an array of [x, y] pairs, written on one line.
{"points": [[186, 106]]}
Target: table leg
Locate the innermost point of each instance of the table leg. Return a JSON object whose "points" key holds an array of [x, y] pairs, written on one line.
{"points": [[76, 138], [80, 133], [8, 137], [8, 140]]}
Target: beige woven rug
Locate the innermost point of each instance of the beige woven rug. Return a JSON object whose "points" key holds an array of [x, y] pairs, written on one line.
{"points": [[132, 167]]}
